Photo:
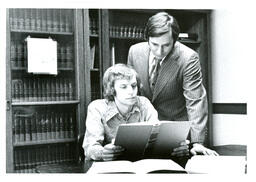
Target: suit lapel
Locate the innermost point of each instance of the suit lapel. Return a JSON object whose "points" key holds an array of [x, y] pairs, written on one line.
{"points": [[168, 67], [143, 66]]}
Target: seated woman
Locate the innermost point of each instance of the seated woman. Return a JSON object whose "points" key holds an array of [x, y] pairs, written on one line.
{"points": [[121, 105]]}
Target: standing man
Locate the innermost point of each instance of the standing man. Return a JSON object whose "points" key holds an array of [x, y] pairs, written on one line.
{"points": [[171, 78]]}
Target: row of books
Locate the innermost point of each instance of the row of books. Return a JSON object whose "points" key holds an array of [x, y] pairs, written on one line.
{"points": [[51, 20], [42, 126], [26, 159], [42, 89], [19, 55], [118, 31], [126, 32]]}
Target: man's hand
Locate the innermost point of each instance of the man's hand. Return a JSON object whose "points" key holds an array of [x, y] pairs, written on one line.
{"points": [[182, 150], [111, 152], [200, 149]]}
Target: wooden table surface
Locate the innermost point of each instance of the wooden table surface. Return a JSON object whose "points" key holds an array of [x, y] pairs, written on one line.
{"points": [[231, 150]]}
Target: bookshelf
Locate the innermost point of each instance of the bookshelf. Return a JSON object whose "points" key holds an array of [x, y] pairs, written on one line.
{"points": [[45, 113]]}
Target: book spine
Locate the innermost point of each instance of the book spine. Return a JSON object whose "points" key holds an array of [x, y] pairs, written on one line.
{"points": [[53, 129], [13, 54], [16, 161], [57, 126], [70, 90], [71, 126], [33, 129], [62, 91], [61, 125], [25, 55], [33, 19], [44, 20], [29, 161], [48, 91], [27, 129], [48, 127], [33, 160], [57, 89], [38, 127], [34, 90], [16, 128], [37, 159], [44, 127], [49, 20], [55, 20], [38, 20], [69, 56], [22, 129], [53, 94]]}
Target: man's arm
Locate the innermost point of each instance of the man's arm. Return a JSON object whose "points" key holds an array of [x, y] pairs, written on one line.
{"points": [[130, 60], [196, 99], [94, 137], [197, 106], [94, 134]]}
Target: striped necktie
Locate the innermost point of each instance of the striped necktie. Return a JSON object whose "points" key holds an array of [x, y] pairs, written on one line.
{"points": [[154, 73]]}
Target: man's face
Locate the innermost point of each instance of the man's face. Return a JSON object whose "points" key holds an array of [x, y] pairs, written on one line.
{"points": [[161, 46], [126, 91]]}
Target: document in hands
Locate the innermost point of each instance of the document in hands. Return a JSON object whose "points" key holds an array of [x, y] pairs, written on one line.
{"points": [[151, 139]]}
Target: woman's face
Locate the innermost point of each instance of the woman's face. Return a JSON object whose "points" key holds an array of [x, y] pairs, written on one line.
{"points": [[126, 91]]}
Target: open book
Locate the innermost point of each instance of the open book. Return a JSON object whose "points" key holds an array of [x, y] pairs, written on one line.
{"points": [[138, 167], [197, 164], [151, 140]]}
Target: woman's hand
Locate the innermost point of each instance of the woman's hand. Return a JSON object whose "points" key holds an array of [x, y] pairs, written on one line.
{"points": [[200, 149], [111, 152], [182, 150]]}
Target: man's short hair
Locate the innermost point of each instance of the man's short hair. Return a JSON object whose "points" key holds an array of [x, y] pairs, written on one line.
{"points": [[161, 23], [116, 72]]}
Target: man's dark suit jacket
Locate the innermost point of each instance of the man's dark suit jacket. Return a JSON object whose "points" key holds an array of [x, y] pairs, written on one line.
{"points": [[179, 93]]}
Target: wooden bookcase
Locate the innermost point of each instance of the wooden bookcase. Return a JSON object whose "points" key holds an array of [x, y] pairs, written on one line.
{"points": [[44, 115]]}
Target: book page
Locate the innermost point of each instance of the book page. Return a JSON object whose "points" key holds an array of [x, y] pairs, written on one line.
{"points": [[111, 167], [171, 134], [216, 164], [156, 166], [134, 138], [139, 167]]}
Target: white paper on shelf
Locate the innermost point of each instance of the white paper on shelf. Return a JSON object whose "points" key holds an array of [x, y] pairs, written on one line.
{"points": [[42, 55]]}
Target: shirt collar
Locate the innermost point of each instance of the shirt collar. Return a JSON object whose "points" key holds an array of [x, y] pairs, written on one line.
{"points": [[151, 58], [113, 111]]}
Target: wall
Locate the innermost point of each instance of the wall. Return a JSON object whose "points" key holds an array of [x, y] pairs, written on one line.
{"points": [[230, 57]]}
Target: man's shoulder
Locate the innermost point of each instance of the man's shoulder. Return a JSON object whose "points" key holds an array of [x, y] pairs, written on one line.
{"points": [[98, 103], [143, 100], [185, 50], [140, 45]]}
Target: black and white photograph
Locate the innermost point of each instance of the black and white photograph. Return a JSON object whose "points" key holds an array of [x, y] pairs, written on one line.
{"points": [[105, 89]]}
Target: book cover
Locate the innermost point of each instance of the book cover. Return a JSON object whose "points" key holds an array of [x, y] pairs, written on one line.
{"points": [[151, 139]]}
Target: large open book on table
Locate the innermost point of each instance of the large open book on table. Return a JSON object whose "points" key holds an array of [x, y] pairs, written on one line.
{"points": [[143, 166], [197, 164], [151, 139]]}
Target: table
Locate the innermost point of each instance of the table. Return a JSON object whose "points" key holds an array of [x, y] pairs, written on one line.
{"points": [[83, 167]]}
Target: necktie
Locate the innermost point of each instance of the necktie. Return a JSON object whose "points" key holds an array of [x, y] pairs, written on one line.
{"points": [[154, 73]]}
